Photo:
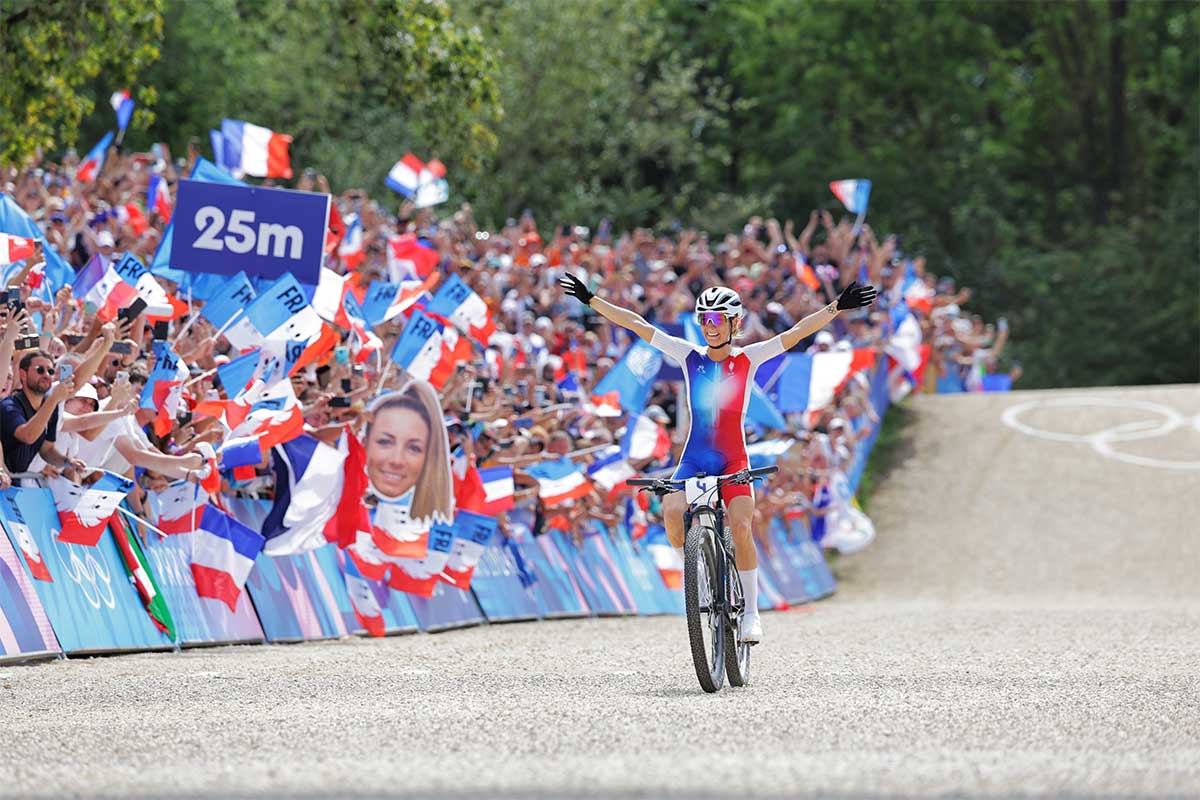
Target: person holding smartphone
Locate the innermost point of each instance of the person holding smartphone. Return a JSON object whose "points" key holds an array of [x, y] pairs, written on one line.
{"points": [[29, 418]]}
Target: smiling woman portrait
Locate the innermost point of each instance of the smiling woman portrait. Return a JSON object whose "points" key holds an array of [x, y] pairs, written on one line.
{"points": [[408, 454]]}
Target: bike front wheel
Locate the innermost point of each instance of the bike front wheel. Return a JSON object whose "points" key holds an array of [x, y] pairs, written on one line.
{"points": [[703, 598]]}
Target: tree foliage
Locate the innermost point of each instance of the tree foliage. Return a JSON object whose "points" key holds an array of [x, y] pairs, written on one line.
{"points": [[50, 50], [1045, 154]]}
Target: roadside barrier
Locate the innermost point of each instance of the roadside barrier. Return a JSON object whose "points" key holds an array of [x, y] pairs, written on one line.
{"points": [[88, 605]]}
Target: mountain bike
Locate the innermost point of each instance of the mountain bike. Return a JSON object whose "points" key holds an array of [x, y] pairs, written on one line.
{"points": [[712, 591]]}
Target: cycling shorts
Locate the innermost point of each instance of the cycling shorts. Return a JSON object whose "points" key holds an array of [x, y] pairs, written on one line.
{"points": [[712, 463]]}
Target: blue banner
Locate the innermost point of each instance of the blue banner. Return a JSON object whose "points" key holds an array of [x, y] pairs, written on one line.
{"points": [[597, 554], [226, 229], [448, 608], [25, 631], [598, 600], [198, 620], [498, 588], [89, 601]]}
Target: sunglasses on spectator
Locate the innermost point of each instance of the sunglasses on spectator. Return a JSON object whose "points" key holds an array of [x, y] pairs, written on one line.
{"points": [[41, 370]]}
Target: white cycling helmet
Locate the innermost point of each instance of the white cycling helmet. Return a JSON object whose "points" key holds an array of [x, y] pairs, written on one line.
{"points": [[721, 300]]}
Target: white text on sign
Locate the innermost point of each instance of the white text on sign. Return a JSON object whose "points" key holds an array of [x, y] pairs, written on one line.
{"points": [[242, 236]]}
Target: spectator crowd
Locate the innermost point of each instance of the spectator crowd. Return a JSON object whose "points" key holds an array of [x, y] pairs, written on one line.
{"points": [[70, 382]]}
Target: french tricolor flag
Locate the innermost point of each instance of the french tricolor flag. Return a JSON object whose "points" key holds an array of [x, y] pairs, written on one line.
{"points": [[420, 182], [158, 197], [472, 533], [223, 553], [420, 350], [164, 387], [22, 537], [350, 250], [610, 471], [15, 248], [334, 302], [113, 286], [420, 576], [460, 304], [254, 150], [645, 438], [666, 559], [411, 258], [93, 162], [854, 194], [180, 507], [385, 301], [288, 323], [809, 382], [498, 489], [559, 481], [122, 104], [309, 476], [84, 511], [362, 597]]}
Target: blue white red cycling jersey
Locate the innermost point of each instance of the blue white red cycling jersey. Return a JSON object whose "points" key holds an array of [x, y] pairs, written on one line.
{"points": [[718, 393]]}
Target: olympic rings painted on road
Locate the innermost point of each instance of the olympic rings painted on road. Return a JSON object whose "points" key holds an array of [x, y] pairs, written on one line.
{"points": [[1102, 441]]}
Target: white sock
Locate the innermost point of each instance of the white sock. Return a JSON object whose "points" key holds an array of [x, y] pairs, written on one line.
{"points": [[680, 551], [750, 590]]}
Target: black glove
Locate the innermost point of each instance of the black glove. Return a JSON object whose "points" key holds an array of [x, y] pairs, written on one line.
{"points": [[855, 296], [575, 287]]}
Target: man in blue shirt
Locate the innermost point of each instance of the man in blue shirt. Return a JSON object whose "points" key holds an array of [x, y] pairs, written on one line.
{"points": [[29, 418]]}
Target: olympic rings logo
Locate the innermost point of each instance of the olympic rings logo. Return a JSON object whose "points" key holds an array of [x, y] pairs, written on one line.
{"points": [[1103, 441], [87, 572]]}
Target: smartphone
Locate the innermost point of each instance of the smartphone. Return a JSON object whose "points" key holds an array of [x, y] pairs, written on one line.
{"points": [[161, 328], [124, 348], [539, 395], [357, 370], [522, 387], [123, 375], [339, 402], [27, 343], [346, 385], [341, 353], [65, 371], [15, 303], [73, 339], [132, 311]]}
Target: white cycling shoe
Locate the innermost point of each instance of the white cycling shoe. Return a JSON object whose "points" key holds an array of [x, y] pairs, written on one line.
{"points": [[752, 632]]}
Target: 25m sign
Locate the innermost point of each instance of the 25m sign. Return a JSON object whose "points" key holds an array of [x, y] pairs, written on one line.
{"points": [[268, 232]]}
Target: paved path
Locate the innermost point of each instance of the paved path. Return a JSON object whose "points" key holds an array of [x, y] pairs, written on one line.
{"points": [[1027, 622]]}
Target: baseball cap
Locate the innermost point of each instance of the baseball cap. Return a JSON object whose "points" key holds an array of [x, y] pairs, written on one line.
{"points": [[105, 239], [824, 337]]}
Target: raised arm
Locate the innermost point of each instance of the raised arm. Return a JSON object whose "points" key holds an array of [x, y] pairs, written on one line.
{"points": [[627, 319], [853, 296]]}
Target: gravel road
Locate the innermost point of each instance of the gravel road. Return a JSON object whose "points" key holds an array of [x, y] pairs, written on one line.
{"points": [[1026, 623]]}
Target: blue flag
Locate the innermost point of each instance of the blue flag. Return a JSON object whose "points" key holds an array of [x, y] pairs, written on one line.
{"points": [[632, 377]]}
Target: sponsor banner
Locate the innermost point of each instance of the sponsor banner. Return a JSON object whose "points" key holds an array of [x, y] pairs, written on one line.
{"points": [[198, 620], [649, 592], [498, 587], [597, 554], [300, 596], [770, 598], [25, 631], [805, 559], [90, 603], [448, 608], [554, 588], [228, 229], [599, 601]]}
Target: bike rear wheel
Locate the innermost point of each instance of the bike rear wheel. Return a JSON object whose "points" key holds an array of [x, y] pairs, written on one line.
{"points": [[703, 598], [737, 654]]}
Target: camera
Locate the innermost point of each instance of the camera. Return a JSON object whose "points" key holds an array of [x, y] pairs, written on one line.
{"points": [[339, 402]]}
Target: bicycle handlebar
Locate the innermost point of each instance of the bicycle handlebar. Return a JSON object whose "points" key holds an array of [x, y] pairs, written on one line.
{"points": [[666, 485]]}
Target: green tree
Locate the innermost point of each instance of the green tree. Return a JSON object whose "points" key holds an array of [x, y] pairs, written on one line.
{"points": [[601, 118], [49, 52], [356, 82]]}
